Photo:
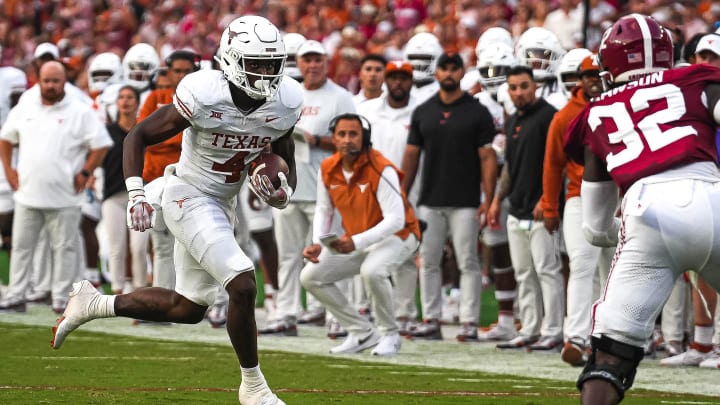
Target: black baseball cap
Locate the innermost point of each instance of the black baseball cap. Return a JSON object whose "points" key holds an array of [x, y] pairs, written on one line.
{"points": [[446, 58]]}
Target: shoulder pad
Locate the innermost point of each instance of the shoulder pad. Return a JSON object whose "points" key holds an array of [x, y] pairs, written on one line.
{"points": [[196, 91], [290, 93]]}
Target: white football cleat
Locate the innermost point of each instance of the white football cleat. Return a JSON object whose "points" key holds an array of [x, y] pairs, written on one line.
{"points": [[357, 343], [497, 334], [389, 345], [76, 313], [262, 396], [689, 358]]}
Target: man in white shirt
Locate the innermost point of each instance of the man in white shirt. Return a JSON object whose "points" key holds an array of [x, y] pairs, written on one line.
{"points": [[323, 100], [389, 116], [372, 72], [65, 141]]}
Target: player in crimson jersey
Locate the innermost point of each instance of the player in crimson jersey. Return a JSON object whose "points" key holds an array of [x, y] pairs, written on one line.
{"points": [[652, 135]]}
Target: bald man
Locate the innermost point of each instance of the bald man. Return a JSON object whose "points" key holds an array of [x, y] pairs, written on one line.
{"points": [[66, 142]]}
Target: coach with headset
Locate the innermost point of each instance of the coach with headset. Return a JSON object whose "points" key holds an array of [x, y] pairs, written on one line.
{"points": [[381, 233]]}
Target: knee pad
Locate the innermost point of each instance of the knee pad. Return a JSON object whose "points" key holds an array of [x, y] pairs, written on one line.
{"points": [[621, 374]]}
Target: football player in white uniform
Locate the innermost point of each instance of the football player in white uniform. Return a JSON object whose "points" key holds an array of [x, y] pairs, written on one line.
{"points": [[422, 51], [494, 61], [228, 118], [138, 65]]}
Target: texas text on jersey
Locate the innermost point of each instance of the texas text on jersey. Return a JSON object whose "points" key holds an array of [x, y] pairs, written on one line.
{"points": [[648, 126], [221, 140]]}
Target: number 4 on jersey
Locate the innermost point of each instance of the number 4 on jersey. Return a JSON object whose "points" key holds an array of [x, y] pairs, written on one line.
{"points": [[235, 166]]}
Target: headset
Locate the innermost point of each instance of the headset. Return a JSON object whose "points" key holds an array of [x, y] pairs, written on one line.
{"points": [[155, 75], [183, 54], [364, 123]]}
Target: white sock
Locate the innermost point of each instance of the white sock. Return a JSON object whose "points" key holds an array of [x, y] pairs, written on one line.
{"points": [[703, 335], [102, 306], [253, 378], [506, 321]]}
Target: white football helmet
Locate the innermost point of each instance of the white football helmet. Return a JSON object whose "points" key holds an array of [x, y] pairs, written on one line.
{"points": [[292, 42], [252, 38], [493, 64], [493, 35], [539, 49], [568, 69], [105, 69], [423, 51], [139, 63]]}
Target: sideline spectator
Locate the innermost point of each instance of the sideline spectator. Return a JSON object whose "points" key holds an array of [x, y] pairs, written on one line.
{"points": [[452, 130], [68, 142]]}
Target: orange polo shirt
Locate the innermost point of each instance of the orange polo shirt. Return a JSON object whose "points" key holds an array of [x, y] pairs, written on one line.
{"points": [[360, 210], [556, 161], [164, 153]]}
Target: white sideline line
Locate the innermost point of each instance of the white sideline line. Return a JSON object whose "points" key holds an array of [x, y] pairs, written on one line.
{"points": [[105, 358], [450, 355]]}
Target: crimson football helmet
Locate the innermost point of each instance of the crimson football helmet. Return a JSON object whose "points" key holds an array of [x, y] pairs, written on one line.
{"points": [[634, 46]]}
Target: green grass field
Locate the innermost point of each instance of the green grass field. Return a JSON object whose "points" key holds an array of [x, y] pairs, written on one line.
{"points": [[94, 368]]}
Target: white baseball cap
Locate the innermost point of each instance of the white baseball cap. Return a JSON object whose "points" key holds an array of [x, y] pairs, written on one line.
{"points": [[47, 47], [710, 42], [311, 46]]}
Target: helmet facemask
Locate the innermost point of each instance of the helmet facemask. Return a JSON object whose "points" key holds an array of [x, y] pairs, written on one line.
{"points": [[249, 43], [257, 86]]}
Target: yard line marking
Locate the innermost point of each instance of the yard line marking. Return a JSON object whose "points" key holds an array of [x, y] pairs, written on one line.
{"points": [[106, 358]]}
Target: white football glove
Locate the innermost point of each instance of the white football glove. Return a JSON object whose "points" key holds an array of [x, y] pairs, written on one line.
{"points": [[140, 214], [261, 185]]}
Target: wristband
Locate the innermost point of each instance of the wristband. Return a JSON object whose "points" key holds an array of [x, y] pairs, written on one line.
{"points": [[85, 173], [134, 186], [317, 140]]}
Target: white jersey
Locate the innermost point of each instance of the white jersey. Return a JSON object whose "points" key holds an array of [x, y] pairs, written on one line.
{"points": [[423, 93], [471, 78], [497, 111], [221, 140], [11, 80], [320, 107], [503, 98]]}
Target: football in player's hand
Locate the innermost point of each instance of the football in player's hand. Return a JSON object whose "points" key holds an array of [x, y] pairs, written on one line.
{"points": [[269, 164]]}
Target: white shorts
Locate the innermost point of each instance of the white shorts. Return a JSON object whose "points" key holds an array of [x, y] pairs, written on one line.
{"points": [[667, 228], [206, 253]]}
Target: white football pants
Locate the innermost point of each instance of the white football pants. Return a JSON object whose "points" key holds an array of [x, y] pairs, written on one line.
{"points": [[62, 227], [535, 256], [667, 227], [375, 264], [463, 228], [586, 261]]}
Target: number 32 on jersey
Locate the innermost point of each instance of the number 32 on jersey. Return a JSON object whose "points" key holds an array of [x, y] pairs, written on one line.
{"points": [[627, 131]]}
